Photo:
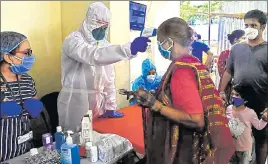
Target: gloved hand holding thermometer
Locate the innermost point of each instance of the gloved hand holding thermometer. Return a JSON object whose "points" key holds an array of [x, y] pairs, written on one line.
{"points": [[140, 44]]}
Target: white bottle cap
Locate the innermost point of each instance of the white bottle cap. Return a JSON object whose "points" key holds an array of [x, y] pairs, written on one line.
{"points": [[89, 144], [33, 151], [59, 129]]}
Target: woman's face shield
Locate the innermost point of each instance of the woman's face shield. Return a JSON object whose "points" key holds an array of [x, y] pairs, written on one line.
{"points": [[167, 44]]}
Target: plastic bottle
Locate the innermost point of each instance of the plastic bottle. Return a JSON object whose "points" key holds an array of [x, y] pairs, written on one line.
{"points": [[86, 134], [92, 152], [88, 149], [59, 138], [69, 151], [47, 141]]}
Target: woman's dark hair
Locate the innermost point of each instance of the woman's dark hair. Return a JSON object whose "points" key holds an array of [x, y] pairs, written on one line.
{"points": [[177, 29], [236, 34], [256, 14]]}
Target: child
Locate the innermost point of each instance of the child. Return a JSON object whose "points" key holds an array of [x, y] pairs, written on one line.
{"points": [[241, 119]]}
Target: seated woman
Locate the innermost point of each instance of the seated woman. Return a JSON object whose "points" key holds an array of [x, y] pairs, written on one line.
{"points": [[186, 122], [149, 80], [236, 36], [18, 95]]}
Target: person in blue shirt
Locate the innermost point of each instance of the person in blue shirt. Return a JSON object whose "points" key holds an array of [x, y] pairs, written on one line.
{"points": [[198, 47], [149, 79]]}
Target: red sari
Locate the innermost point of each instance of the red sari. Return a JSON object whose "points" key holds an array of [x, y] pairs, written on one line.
{"points": [[222, 62], [172, 143]]}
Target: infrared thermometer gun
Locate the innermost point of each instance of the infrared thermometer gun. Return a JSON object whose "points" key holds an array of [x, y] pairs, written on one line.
{"points": [[148, 32]]}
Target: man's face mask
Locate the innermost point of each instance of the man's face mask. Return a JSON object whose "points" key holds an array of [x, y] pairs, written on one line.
{"points": [[251, 33], [99, 33], [26, 64], [166, 53]]}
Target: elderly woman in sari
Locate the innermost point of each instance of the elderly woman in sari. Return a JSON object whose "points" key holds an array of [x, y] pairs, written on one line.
{"points": [[186, 121]]}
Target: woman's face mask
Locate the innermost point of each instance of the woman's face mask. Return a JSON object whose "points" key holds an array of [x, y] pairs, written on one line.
{"points": [[166, 53], [241, 39], [99, 33], [25, 66], [151, 78]]}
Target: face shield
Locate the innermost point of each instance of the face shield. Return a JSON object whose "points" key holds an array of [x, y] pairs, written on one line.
{"points": [[100, 31], [95, 26], [165, 48]]}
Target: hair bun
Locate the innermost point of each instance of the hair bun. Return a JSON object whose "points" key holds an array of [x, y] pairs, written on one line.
{"points": [[229, 36]]}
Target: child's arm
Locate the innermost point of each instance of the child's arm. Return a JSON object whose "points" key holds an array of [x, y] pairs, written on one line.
{"points": [[258, 124], [229, 112], [265, 115]]}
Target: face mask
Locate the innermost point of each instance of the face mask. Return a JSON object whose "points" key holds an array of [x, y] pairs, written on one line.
{"points": [[238, 101], [165, 53], [99, 33], [240, 41], [251, 33], [25, 66], [150, 78]]}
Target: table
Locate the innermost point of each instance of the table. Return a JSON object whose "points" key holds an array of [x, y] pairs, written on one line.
{"points": [[130, 126], [19, 159]]}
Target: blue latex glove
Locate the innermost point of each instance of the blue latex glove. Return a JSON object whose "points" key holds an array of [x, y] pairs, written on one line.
{"points": [[34, 107], [112, 114], [139, 44], [10, 108]]}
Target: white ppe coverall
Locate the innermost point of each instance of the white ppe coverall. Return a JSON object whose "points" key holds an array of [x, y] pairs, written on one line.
{"points": [[87, 71]]}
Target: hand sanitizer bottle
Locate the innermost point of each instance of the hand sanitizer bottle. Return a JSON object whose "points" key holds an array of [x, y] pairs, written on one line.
{"points": [[69, 151], [59, 138]]}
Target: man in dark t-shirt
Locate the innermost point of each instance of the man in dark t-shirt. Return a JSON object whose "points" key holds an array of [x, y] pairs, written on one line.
{"points": [[248, 65]]}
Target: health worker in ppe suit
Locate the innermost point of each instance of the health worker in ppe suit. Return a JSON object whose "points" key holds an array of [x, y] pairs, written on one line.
{"points": [[87, 71], [149, 80]]}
